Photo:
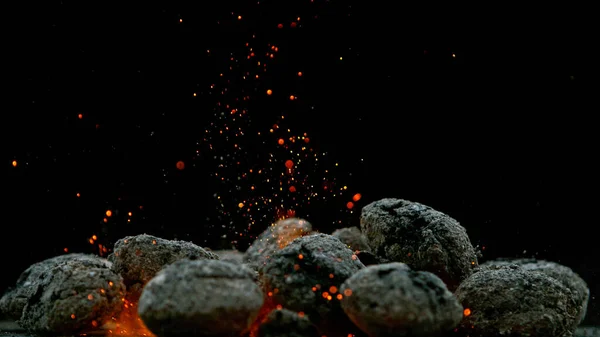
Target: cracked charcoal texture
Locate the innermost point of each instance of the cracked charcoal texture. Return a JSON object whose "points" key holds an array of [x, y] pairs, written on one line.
{"points": [[274, 238], [425, 239], [564, 274], [392, 300], [325, 262], [507, 300], [286, 323], [200, 298], [138, 258], [353, 237], [13, 302], [75, 284]]}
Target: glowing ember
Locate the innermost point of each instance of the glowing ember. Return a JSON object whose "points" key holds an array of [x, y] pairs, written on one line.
{"points": [[128, 323]]}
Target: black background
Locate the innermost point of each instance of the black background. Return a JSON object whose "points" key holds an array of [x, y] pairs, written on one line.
{"points": [[501, 136]]}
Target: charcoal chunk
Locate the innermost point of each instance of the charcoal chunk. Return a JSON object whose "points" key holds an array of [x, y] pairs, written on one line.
{"points": [[353, 237], [390, 299], [200, 298], [305, 275], [564, 274], [138, 258], [274, 238], [425, 239], [68, 295], [510, 300], [13, 302]]}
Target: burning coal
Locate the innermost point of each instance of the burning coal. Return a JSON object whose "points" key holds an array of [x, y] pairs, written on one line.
{"points": [[419, 277]]}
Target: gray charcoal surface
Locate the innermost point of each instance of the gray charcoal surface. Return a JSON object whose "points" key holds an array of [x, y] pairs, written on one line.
{"points": [[15, 299], [564, 274], [67, 294], [418, 235], [274, 238], [232, 255], [393, 300], [510, 300], [139, 258], [200, 298], [298, 275], [286, 323], [353, 237]]}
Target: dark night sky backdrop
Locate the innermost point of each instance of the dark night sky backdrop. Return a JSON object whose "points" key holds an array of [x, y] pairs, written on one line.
{"points": [[500, 136]]}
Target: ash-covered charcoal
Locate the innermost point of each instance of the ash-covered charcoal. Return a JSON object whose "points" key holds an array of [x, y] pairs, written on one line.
{"points": [[200, 298], [287, 323], [71, 295], [274, 238], [230, 255], [305, 277], [138, 258], [353, 237], [509, 300], [13, 301], [393, 300], [425, 239], [564, 274]]}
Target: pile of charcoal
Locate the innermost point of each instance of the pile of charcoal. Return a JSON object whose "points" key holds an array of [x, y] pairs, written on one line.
{"points": [[409, 270]]}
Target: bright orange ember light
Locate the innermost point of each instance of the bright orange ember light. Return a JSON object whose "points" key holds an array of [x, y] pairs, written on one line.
{"points": [[293, 25], [269, 92], [109, 213], [292, 97], [280, 25], [289, 164], [241, 205], [356, 197], [299, 73], [180, 165], [280, 141], [467, 311], [14, 163], [80, 116], [292, 189], [350, 205]]}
